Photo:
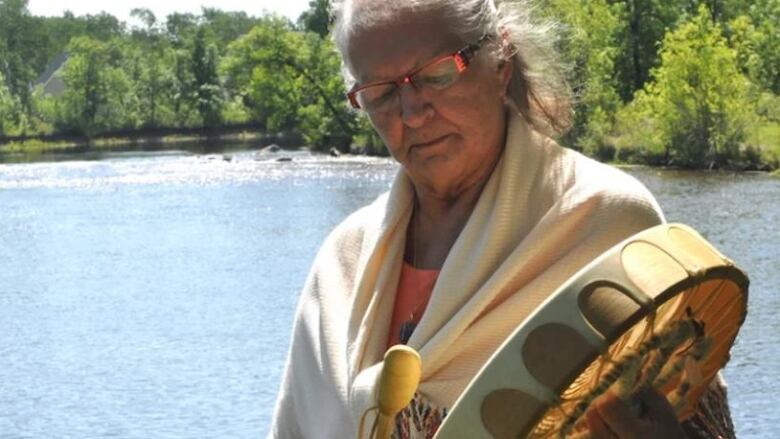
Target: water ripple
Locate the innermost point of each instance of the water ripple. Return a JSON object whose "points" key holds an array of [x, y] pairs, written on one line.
{"points": [[153, 296]]}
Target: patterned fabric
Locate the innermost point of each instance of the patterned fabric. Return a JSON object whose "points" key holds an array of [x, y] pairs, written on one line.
{"points": [[419, 420]]}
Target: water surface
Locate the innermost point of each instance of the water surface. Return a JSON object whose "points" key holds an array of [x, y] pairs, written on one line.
{"points": [[152, 295]]}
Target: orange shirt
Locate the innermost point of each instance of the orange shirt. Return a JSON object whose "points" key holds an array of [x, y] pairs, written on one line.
{"points": [[411, 299]]}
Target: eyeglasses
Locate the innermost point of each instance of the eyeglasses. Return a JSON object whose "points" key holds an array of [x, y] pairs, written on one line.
{"points": [[380, 97]]}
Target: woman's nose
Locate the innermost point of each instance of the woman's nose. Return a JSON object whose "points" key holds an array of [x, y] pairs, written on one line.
{"points": [[415, 108]]}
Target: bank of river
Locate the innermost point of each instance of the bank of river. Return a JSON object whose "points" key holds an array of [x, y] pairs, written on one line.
{"points": [[151, 295], [764, 158]]}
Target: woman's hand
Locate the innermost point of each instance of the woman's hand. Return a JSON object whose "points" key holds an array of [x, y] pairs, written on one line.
{"points": [[646, 415]]}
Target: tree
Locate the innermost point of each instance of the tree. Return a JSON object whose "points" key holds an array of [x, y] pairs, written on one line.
{"points": [[102, 26], [697, 108], [226, 27], [97, 89], [58, 31], [180, 28], [756, 38], [147, 17], [590, 48], [182, 94], [317, 18], [325, 120], [290, 80], [251, 73], [21, 54], [206, 86], [8, 107], [645, 24], [150, 59]]}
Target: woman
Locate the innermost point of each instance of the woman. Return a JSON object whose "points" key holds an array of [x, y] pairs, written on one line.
{"points": [[485, 219]]}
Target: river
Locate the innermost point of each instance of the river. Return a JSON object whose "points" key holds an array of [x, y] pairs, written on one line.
{"points": [[152, 295]]}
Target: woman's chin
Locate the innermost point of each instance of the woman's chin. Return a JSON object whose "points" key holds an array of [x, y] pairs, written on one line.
{"points": [[430, 157], [440, 180]]}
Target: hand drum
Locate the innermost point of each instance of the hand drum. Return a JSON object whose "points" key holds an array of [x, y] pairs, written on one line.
{"points": [[660, 309]]}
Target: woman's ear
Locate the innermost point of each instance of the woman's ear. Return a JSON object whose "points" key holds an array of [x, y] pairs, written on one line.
{"points": [[505, 64], [504, 71], [505, 68]]}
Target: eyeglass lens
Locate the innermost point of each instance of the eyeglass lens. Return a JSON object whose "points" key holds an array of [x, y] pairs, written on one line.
{"points": [[437, 76]]}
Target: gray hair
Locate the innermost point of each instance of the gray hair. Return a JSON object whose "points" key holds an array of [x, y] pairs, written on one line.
{"points": [[537, 89]]}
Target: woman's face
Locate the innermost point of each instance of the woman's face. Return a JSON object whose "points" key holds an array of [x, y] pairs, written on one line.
{"points": [[447, 140]]}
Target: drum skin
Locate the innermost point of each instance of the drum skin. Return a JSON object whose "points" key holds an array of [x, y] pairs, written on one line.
{"points": [[644, 284]]}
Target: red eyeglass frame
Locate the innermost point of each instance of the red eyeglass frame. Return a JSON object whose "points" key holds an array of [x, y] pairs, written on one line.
{"points": [[462, 59]]}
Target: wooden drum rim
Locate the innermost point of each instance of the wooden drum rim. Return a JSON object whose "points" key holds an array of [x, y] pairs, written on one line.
{"points": [[668, 268]]}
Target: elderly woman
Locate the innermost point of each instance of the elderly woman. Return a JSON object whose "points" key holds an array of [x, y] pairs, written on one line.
{"points": [[485, 219]]}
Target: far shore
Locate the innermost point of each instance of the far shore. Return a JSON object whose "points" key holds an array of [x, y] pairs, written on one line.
{"points": [[45, 148], [34, 148]]}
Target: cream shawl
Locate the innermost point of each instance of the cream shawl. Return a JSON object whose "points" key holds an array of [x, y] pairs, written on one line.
{"points": [[545, 212]]}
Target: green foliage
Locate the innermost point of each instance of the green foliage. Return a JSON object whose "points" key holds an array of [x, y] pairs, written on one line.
{"points": [[149, 59], [97, 89], [367, 139], [147, 17], [641, 136], [643, 25], [697, 109], [288, 79], [655, 81], [756, 38], [257, 72], [9, 106], [590, 48], [180, 28], [317, 18], [183, 95], [20, 51], [768, 107], [326, 121], [234, 112], [206, 86], [226, 27]]}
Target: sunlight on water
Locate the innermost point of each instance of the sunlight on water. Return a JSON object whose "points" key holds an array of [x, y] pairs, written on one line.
{"points": [[188, 169], [152, 295]]}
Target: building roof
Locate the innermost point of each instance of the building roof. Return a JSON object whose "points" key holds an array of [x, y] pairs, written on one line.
{"points": [[50, 79]]}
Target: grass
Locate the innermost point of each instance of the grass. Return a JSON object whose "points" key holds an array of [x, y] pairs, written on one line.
{"points": [[766, 137], [761, 149], [36, 147]]}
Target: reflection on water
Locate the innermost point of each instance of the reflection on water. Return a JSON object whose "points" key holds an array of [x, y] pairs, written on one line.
{"points": [[152, 295], [188, 169], [739, 214]]}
